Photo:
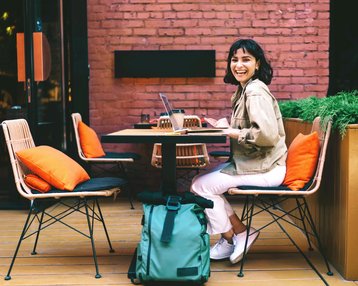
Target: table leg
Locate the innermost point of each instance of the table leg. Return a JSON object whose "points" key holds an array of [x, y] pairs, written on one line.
{"points": [[169, 183]]}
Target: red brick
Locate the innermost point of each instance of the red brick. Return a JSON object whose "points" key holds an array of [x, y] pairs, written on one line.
{"points": [[185, 7], [239, 7], [251, 32], [316, 88], [189, 15], [194, 31], [292, 88], [186, 23], [265, 23], [277, 31], [158, 7], [290, 72], [171, 32], [209, 15]]}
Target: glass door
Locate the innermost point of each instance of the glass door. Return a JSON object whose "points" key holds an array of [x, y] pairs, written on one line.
{"points": [[32, 74], [12, 92], [44, 71]]}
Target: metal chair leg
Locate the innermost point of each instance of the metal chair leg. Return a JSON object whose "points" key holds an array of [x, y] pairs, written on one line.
{"points": [[320, 248], [130, 195], [104, 226], [23, 233], [244, 209], [38, 233], [90, 229], [129, 187], [302, 215], [248, 226]]}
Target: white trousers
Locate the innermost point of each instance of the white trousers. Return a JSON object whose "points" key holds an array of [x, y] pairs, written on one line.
{"points": [[213, 184]]}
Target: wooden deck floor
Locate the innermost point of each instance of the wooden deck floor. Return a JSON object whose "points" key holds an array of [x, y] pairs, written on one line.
{"points": [[65, 258]]}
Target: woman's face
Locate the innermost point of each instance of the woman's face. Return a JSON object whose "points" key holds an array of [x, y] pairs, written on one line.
{"points": [[243, 66]]}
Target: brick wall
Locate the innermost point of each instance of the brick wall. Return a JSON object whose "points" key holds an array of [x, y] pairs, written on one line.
{"points": [[294, 34]]}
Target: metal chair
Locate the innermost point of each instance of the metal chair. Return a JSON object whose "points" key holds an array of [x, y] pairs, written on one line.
{"points": [[269, 200], [115, 158], [189, 157], [83, 199]]}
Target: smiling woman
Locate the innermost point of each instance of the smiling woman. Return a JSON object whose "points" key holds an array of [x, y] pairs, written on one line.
{"points": [[258, 148]]}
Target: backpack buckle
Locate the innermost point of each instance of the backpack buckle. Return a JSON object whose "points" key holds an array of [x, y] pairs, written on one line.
{"points": [[173, 203]]}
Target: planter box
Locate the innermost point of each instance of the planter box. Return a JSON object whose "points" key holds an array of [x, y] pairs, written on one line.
{"points": [[335, 206]]}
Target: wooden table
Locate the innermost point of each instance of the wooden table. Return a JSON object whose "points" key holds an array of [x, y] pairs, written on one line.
{"points": [[168, 141]]}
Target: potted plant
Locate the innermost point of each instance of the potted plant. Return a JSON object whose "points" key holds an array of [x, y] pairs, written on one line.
{"points": [[335, 206], [342, 109]]}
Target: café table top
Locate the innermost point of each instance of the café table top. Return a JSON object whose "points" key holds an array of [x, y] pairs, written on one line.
{"points": [[162, 136]]}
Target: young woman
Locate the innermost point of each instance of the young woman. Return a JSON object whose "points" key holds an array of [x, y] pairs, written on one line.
{"points": [[258, 150]]}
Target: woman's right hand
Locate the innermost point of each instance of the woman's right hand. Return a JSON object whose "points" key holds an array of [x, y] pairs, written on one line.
{"points": [[233, 133]]}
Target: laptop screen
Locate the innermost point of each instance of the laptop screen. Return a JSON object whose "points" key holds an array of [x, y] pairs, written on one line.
{"points": [[169, 110]]}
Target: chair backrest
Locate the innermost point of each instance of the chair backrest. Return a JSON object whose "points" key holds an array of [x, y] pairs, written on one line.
{"points": [[76, 119], [187, 155], [323, 130], [189, 121], [18, 137]]}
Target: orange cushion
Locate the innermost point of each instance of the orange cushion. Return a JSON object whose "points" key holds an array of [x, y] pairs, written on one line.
{"points": [[301, 161], [36, 183], [90, 144], [53, 166]]}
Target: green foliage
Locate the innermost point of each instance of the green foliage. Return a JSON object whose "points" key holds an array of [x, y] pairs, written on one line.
{"points": [[341, 108]]}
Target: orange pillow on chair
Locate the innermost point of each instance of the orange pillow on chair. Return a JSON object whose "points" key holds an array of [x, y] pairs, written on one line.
{"points": [[90, 144], [301, 161], [53, 166], [36, 183]]}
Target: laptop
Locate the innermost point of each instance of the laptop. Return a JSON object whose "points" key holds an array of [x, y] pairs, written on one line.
{"points": [[175, 125]]}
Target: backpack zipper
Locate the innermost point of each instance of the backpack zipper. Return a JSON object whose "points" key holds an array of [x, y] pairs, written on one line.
{"points": [[149, 237]]}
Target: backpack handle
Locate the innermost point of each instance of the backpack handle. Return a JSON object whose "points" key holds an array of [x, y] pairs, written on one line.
{"points": [[173, 205]]}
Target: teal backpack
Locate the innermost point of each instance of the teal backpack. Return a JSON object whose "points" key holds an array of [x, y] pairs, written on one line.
{"points": [[174, 245]]}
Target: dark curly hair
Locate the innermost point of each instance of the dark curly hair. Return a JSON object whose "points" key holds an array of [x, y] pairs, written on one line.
{"points": [[264, 72]]}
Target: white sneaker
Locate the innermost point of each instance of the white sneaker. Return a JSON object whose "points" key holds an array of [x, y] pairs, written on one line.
{"points": [[221, 250], [239, 242]]}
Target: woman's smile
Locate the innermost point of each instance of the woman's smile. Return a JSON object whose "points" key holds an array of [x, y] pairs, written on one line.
{"points": [[240, 73]]}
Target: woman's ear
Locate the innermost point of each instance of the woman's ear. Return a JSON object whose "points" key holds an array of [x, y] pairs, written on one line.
{"points": [[257, 65]]}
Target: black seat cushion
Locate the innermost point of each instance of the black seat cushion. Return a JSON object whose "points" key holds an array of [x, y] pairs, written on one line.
{"points": [[121, 155], [218, 153], [278, 188], [92, 185]]}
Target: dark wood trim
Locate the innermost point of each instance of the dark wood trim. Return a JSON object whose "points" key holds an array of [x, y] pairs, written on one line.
{"points": [[343, 59], [78, 71], [76, 65]]}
